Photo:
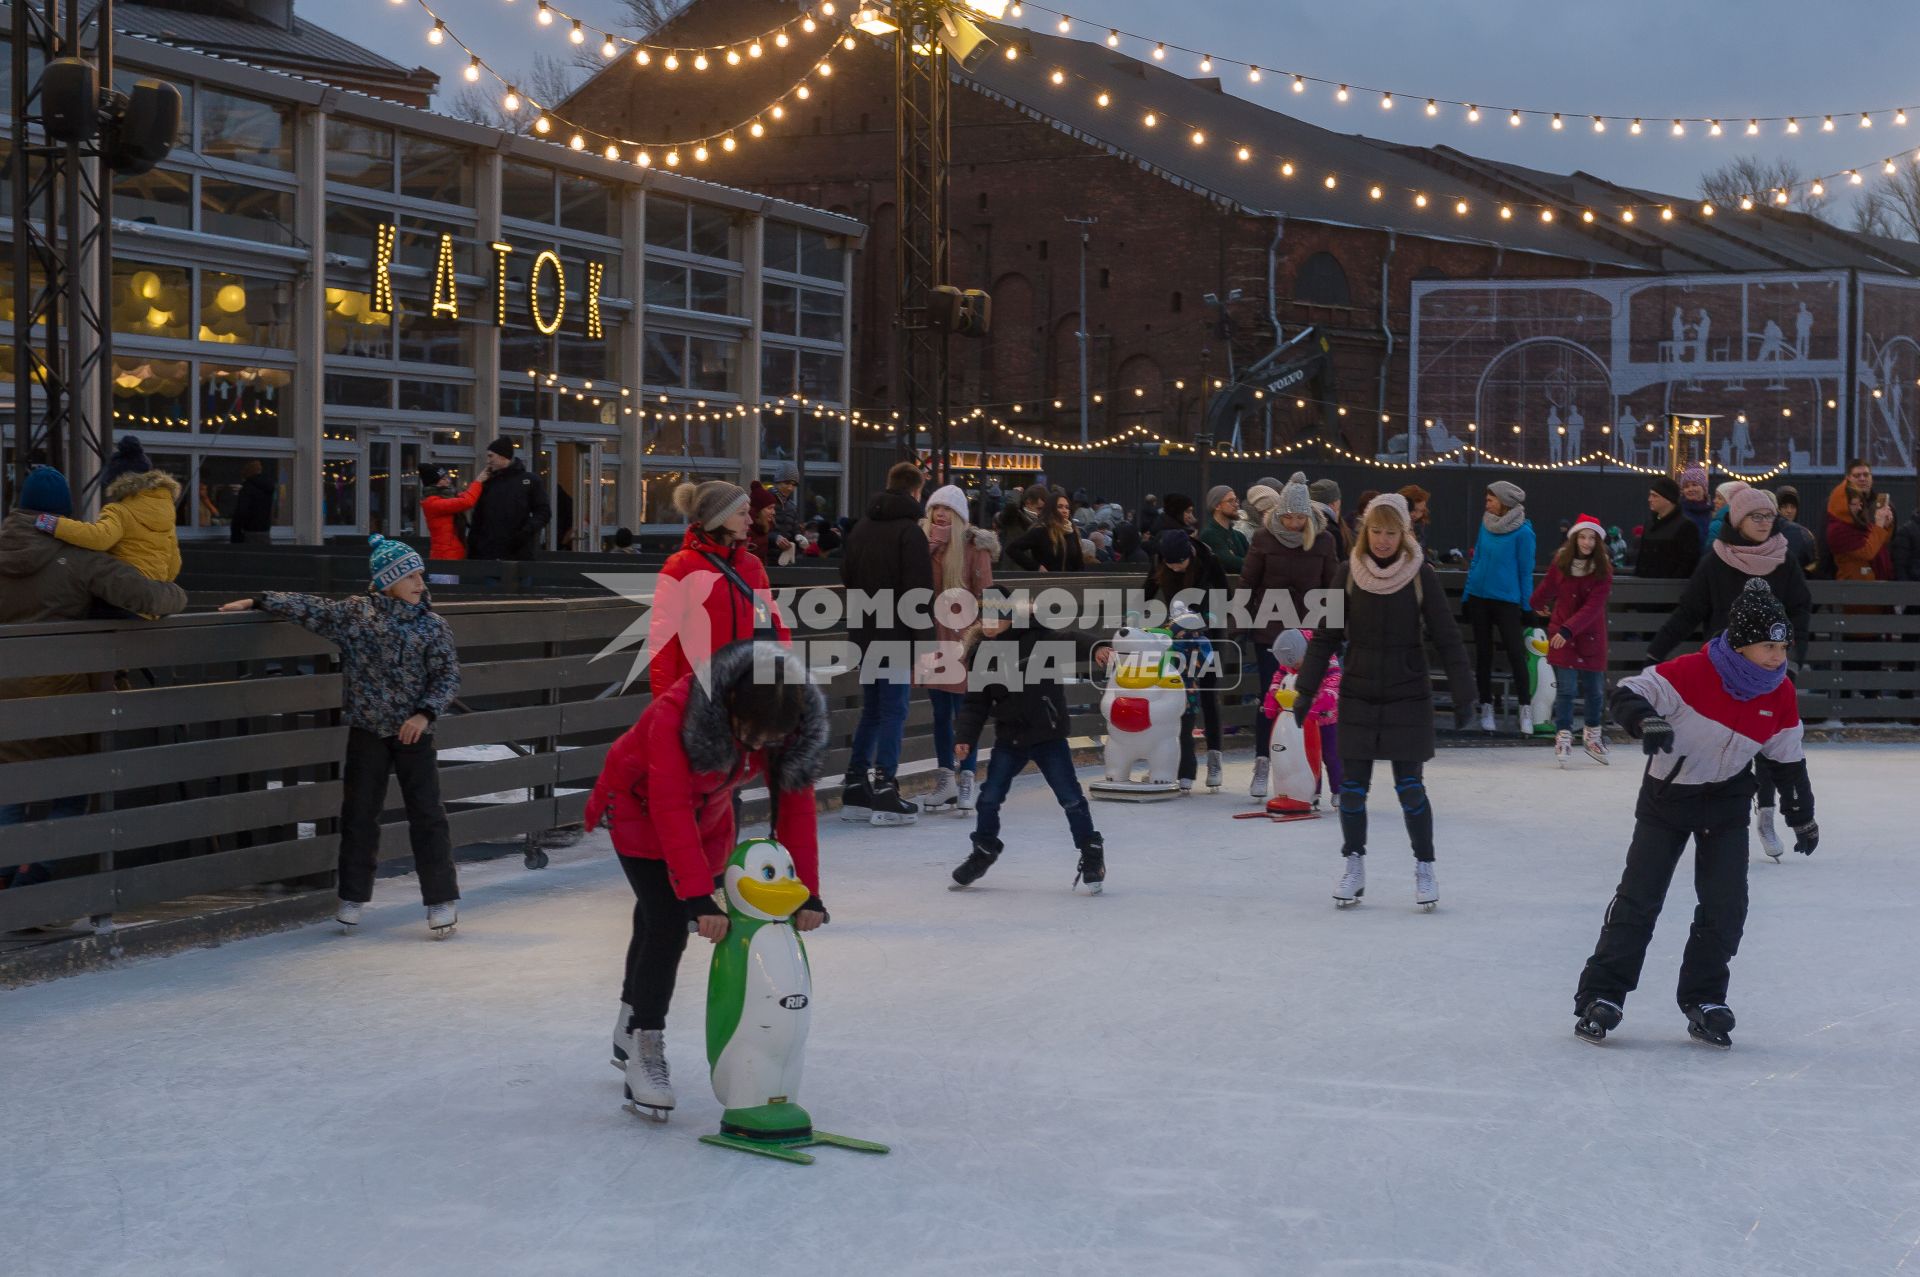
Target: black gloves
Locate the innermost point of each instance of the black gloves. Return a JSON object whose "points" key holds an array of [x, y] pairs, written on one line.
{"points": [[1301, 708], [1656, 736], [702, 907], [813, 903], [1806, 837]]}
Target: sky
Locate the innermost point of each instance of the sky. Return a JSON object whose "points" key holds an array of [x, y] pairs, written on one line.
{"points": [[1652, 58]]}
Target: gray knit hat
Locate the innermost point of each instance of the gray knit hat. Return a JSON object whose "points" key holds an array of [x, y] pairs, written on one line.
{"points": [[1290, 648], [1216, 494], [1325, 491], [1294, 498], [709, 504], [1508, 494]]}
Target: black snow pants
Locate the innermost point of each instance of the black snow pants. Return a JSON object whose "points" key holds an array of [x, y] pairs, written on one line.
{"points": [[659, 938], [370, 760], [1666, 816], [1409, 786]]}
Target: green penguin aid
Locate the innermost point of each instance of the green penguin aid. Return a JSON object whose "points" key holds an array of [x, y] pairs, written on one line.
{"points": [[759, 1005]]}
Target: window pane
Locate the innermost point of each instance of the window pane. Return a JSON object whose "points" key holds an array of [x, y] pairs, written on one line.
{"points": [[820, 316], [355, 328], [780, 307], [178, 465], [245, 312], [819, 255], [666, 284], [430, 340], [713, 233], [778, 370], [782, 247], [587, 205], [666, 359], [666, 222], [819, 375], [712, 364], [434, 396], [584, 358], [431, 170], [220, 480], [526, 192], [150, 301], [151, 394], [243, 130], [357, 392], [339, 492], [351, 230], [158, 198], [715, 293], [245, 211], [243, 401], [359, 154]]}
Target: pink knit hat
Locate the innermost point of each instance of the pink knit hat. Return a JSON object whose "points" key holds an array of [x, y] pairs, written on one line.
{"points": [[1749, 500]]}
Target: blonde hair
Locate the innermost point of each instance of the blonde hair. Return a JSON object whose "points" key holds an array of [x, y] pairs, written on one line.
{"points": [[1307, 534], [950, 569], [1380, 517]]}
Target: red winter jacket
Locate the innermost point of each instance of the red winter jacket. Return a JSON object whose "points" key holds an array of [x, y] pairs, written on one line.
{"points": [[1580, 612], [697, 611], [440, 511], [665, 806]]}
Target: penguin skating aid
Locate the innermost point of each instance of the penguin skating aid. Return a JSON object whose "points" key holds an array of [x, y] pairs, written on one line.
{"points": [[759, 995]]}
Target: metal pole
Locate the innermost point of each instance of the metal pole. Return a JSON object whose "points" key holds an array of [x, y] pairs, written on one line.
{"points": [[1083, 223]]}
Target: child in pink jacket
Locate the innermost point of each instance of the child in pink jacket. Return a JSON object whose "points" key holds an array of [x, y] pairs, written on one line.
{"points": [[1289, 650]]}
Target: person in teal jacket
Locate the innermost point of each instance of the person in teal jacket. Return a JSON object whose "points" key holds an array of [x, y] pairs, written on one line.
{"points": [[1498, 586]]}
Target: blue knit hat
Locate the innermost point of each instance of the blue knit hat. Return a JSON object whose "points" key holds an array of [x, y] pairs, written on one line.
{"points": [[390, 561], [1175, 546], [46, 492]]}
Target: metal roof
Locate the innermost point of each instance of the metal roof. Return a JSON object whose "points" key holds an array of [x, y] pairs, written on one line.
{"points": [[303, 44]]}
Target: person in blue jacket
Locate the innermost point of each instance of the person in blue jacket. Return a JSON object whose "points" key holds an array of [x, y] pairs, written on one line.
{"points": [[1498, 586]]}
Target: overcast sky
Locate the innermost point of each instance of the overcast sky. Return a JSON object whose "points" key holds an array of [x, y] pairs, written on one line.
{"points": [[1652, 58]]}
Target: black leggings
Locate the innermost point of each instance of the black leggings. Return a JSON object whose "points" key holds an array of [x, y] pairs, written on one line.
{"points": [[1487, 615], [1408, 787], [1210, 716], [659, 938]]}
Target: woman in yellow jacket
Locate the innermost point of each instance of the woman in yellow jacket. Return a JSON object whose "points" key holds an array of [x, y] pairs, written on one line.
{"points": [[136, 525]]}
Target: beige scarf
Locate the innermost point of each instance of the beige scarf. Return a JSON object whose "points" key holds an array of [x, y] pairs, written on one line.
{"points": [[1388, 580]]}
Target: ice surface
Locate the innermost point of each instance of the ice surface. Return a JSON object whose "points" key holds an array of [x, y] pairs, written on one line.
{"points": [[1206, 1070]]}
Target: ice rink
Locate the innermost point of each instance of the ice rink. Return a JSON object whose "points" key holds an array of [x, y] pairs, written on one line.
{"points": [[1207, 1070]]}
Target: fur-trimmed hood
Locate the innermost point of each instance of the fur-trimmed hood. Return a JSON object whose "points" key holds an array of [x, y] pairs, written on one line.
{"points": [[706, 733], [144, 481]]}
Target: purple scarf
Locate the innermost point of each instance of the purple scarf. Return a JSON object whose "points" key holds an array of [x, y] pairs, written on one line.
{"points": [[1741, 677]]}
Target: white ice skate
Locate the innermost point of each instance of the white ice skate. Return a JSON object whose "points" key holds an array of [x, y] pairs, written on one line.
{"points": [[1562, 748], [348, 915], [1526, 720], [963, 784], [441, 919], [1769, 836], [1258, 789], [1353, 883], [946, 793], [1426, 892], [621, 1037], [1596, 745], [1186, 786], [1215, 771], [1486, 717], [649, 1087]]}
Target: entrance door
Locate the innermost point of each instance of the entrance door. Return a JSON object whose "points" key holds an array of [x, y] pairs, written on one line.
{"points": [[393, 486], [592, 499]]}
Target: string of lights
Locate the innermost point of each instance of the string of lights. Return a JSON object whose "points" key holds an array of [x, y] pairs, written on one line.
{"points": [[1345, 91], [547, 122], [164, 422], [670, 57]]}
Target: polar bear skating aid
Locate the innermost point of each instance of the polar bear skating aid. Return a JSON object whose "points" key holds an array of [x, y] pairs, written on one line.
{"points": [[1144, 702]]}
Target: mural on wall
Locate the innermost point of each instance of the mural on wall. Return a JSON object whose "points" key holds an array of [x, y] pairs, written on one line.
{"points": [[1552, 371], [1888, 372]]}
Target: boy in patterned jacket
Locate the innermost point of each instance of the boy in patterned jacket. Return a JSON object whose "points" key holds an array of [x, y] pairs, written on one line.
{"points": [[1705, 721], [399, 672]]}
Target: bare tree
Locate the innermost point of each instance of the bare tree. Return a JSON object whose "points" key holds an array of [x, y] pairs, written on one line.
{"points": [[1873, 214], [1758, 177], [549, 82], [644, 17], [1895, 203]]}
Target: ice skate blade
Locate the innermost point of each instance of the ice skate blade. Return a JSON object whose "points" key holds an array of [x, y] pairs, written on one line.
{"points": [[650, 1112], [1093, 888], [889, 820], [1594, 1037], [618, 1063], [1603, 759], [1345, 902], [441, 933], [1722, 1043], [857, 815], [1427, 906]]}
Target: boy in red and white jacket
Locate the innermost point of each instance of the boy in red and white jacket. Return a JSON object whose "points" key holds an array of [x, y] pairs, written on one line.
{"points": [[1705, 721]]}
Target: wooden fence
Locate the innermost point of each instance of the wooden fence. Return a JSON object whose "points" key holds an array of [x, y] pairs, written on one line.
{"points": [[219, 737]]}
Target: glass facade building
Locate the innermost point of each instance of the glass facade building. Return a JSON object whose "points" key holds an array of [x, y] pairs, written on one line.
{"points": [[342, 289]]}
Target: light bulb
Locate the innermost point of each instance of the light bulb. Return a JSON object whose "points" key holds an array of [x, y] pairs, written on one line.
{"points": [[1419, 201], [1113, 39], [577, 142], [700, 153], [1888, 168], [1818, 188], [1199, 138], [780, 40], [1059, 77], [1206, 64], [673, 161], [511, 102], [1506, 214], [1746, 202], [1461, 208], [1679, 129], [642, 57], [438, 33], [700, 61], [1013, 52], [1473, 114], [727, 143], [733, 57], [1341, 93], [1244, 154], [1900, 116], [1386, 101], [1793, 125], [1853, 175], [1556, 123], [543, 126], [473, 69], [1826, 125], [545, 14], [1331, 182], [1514, 119], [806, 25], [757, 129], [1546, 215], [1634, 128], [1299, 84], [825, 68], [1586, 215], [1779, 197], [644, 159], [1706, 209], [1151, 119], [1599, 125], [577, 35], [1253, 75], [827, 8], [1433, 108], [1713, 128], [1866, 121], [612, 152], [672, 62], [848, 44], [1666, 214], [803, 93], [1102, 100], [1064, 25], [1286, 168], [1753, 128], [754, 50], [607, 47], [778, 112], [1159, 53], [1374, 192]]}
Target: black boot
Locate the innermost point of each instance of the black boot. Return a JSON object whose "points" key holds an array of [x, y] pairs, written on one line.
{"points": [[886, 805], [856, 796], [1093, 865], [979, 860], [1710, 1022]]}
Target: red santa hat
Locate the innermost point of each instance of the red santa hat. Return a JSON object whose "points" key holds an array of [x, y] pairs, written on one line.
{"points": [[1586, 523]]}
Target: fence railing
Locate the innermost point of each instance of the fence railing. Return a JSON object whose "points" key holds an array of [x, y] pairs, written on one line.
{"points": [[218, 739]]}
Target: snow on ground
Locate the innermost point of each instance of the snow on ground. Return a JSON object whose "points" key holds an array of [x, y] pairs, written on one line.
{"points": [[1207, 1070]]}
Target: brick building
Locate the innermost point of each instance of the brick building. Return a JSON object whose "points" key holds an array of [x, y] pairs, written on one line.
{"points": [[1339, 244]]}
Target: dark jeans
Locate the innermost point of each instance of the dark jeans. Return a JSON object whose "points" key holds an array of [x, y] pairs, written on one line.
{"points": [[1592, 687], [370, 759], [1408, 787], [659, 939], [1054, 758], [1487, 616], [16, 814], [1715, 818], [946, 708], [1210, 716], [883, 721]]}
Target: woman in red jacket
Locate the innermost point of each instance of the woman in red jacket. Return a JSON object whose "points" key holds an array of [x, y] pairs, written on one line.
{"points": [[1576, 588], [697, 607], [668, 788], [448, 542]]}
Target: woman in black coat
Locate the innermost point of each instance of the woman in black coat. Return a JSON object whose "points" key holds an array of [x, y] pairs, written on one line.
{"points": [[1184, 566], [1748, 546], [1052, 545], [1386, 688]]}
